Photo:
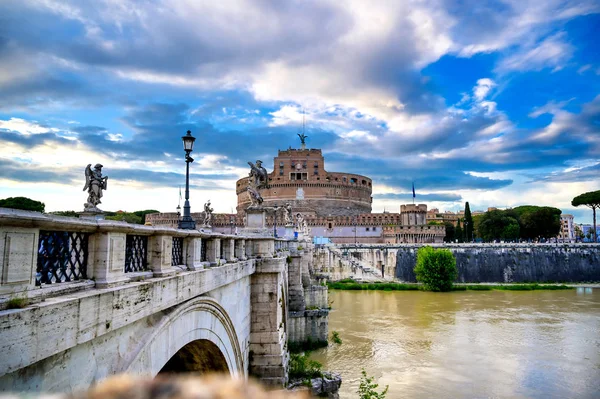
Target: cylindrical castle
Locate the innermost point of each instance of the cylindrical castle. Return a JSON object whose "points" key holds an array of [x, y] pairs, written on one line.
{"points": [[299, 177]]}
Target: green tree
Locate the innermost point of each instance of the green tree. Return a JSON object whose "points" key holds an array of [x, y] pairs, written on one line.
{"points": [[142, 214], [125, 217], [449, 232], [24, 203], [458, 232], [496, 225], [436, 268], [592, 200], [367, 389], [468, 223], [537, 221]]}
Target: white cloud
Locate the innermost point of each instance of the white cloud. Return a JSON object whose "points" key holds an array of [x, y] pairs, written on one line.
{"points": [[553, 52], [482, 89], [25, 127]]}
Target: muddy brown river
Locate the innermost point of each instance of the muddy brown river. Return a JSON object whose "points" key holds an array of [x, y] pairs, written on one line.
{"points": [[491, 344]]}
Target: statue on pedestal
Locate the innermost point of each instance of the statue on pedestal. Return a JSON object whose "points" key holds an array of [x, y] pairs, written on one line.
{"points": [[95, 183], [258, 179], [289, 219], [299, 222], [207, 214]]}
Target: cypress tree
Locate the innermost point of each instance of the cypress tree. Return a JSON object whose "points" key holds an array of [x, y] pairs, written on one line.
{"points": [[458, 232], [468, 222]]}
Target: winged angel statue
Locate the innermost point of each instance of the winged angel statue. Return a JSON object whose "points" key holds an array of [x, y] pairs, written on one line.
{"points": [[95, 183], [257, 180]]}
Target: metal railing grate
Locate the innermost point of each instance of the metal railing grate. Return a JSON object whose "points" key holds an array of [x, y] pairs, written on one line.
{"points": [[177, 254], [62, 257], [136, 251], [203, 250]]}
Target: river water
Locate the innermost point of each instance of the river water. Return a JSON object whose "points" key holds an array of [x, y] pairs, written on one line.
{"points": [[490, 344]]}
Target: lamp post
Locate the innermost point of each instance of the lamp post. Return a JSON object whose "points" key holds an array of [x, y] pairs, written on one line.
{"points": [[466, 231], [231, 221], [187, 222], [275, 222]]}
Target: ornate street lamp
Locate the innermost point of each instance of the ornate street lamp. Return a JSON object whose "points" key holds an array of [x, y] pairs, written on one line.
{"points": [[187, 222], [231, 221]]}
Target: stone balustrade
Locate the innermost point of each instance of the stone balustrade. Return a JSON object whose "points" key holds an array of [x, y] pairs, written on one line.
{"points": [[41, 251]]}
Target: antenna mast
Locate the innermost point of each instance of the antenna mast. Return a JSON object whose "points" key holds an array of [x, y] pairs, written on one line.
{"points": [[303, 145]]}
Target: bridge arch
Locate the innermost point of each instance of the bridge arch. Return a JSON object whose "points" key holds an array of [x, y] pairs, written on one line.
{"points": [[184, 337]]}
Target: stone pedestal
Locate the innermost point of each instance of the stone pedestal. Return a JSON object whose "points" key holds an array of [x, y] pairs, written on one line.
{"points": [[289, 232], [92, 213], [256, 223]]}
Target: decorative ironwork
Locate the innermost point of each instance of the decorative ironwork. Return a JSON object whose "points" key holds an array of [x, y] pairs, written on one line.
{"points": [[203, 250], [177, 253], [62, 257], [136, 251]]}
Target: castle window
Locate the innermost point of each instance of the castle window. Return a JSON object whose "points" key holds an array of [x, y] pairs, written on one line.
{"points": [[330, 226], [374, 228], [281, 164], [352, 180], [367, 229], [280, 172], [304, 165], [316, 172], [316, 164], [364, 182], [344, 179]]}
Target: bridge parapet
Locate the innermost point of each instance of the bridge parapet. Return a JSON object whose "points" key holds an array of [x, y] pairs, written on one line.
{"points": [[47, 251]]}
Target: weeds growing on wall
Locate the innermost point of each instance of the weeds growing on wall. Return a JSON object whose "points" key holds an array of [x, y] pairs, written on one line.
{"points": [[17, 303], [302, 367]]}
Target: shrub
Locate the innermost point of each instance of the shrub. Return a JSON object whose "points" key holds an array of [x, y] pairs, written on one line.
{"points": [[302, 367], [436, 268], [367, 388]]}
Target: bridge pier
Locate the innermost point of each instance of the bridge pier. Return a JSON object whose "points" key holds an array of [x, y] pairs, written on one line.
{"points": [[268, 324]]}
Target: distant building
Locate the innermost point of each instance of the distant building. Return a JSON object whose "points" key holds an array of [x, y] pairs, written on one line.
{"points": [[588, 235], [567, 228]]}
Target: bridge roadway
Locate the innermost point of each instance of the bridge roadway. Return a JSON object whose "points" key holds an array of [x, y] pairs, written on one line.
{"points": [[227, 314]]}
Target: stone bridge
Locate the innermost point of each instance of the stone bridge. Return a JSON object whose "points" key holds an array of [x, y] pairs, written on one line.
{"points": [[81, 300]]}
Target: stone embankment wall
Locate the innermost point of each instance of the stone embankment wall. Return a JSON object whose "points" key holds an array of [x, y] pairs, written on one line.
{"points": [[507, 263]]}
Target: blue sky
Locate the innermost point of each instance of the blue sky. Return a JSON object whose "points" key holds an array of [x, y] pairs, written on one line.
{"points": [[492, 102]]}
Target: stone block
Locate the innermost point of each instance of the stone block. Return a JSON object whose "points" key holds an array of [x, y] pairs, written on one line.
{"points": [[18, 259]]}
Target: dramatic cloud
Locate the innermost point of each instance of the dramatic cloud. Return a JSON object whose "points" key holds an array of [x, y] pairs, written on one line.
{"points": [[445, 94]]}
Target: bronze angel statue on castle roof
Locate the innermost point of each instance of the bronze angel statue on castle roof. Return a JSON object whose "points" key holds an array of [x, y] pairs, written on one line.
{"points": [[95, 183]]}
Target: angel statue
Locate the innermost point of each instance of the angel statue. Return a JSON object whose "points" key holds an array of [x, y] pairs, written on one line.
{"points": [[299, 222], [95, 183], [303, 138], [207, 214], [258, 179], [289, 219], [258, 174]]}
